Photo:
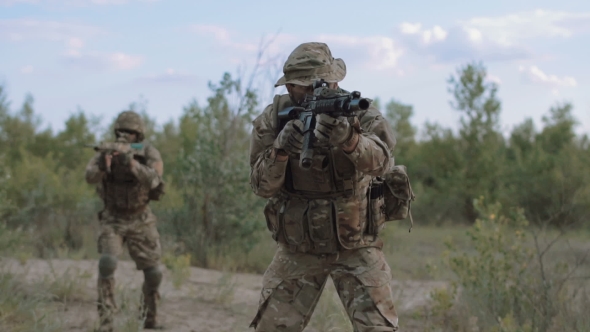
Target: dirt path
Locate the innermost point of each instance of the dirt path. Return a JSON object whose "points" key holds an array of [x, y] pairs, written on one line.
{"points": [[206, 301]]}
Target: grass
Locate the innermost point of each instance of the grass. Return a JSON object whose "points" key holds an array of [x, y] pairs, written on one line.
{"points": [[68, 286], [38, 306], [25, 307], [225, 289], [410, 255], [329, 314], [179, 267]]}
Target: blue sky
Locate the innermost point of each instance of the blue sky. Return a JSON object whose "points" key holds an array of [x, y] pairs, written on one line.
{"points": [[101, 55]]}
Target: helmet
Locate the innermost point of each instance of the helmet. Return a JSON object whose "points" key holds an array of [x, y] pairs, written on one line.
{"points": [[310, 62], [130, 120]]}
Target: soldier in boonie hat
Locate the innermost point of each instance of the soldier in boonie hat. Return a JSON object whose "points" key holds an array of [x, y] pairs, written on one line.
{"points": [[306, 64], [320, 216], [310, 62]]}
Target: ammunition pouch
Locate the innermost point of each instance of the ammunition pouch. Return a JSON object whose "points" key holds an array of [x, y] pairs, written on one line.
{"points": [[390, 198], [157, 193], [271, 214], [376, 208], [398, 194], [302, 224]]}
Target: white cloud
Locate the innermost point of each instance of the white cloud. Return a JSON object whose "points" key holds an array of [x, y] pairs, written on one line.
{"points": [[533, 74], [75, 43], [101, 61], [439, 33], [73, 35], [219, 33], [459, 44], [474, 35], [427, 36], [375, 52], [224, 37], [74, 2], [12, 2], [108, 2], [170, 76], [28, 69], [124, 61], [31, 29], [510, 29], [410, 28], [494, 79], [112, 2], [504, 37]]}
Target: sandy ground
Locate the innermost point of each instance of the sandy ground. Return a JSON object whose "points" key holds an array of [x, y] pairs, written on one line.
{"points": [[207, 300]]}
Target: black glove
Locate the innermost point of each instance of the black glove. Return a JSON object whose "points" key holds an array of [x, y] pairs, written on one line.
{"points": [[102, 163], [122, 159]]}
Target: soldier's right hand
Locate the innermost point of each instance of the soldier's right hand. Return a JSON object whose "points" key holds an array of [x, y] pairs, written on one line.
{"points": [[102, 162], [106, 161], [290, 138]]}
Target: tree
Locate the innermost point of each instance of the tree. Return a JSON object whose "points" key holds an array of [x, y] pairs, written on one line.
{"points": [[547, 174], [481, 143], [213, 172], [399, 115]]}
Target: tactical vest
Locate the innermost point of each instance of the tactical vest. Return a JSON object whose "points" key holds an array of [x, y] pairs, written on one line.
{"points": [[323, 209], [122, 192]]}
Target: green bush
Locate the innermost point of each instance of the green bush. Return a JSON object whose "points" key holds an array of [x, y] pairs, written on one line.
{"points": [[506, 283]]}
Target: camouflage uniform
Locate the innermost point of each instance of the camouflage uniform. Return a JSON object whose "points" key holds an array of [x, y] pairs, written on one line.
{"points": [[322, 218], [127, 218]]}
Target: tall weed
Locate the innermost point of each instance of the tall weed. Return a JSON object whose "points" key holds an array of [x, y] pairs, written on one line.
{"points": [[505, 283]]}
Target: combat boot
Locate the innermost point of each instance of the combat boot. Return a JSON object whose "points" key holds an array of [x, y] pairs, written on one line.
{"points": [[149, 308], [106, 303]]}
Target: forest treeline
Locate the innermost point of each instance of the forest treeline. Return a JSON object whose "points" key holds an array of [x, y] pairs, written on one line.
{"points": [[209, 205]]}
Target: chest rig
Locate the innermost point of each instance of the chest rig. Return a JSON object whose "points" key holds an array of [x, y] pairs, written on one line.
{"points": [[320, 209], [122, 192]]}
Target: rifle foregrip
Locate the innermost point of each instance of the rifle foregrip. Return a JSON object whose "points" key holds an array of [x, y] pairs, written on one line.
{"points": [[306, 156]]}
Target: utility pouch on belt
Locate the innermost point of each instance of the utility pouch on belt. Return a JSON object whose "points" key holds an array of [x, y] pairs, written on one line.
{"points": [[157, 193], [290, 221], [376, 207], [398, 194]]}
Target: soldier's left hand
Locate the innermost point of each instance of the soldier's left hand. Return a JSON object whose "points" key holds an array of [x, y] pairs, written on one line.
{"points": [[334, 130], [133, 164]]}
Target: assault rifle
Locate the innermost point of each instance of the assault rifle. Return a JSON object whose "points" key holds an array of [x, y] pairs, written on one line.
{"points": [[323, 100], [132, 150]]}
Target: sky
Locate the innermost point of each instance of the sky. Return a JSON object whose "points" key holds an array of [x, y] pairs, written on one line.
{"points": [[102, 55]]}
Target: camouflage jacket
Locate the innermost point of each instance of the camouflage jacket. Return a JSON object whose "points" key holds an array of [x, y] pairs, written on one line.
{"points": [[126, 190], [306, 222]]}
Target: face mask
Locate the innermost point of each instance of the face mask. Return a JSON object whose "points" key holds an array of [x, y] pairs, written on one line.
{"points": [[125, 137]]}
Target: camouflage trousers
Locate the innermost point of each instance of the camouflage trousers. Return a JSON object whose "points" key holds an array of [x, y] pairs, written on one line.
{"points": [[138, 232], [140, 235], [293, 283]]}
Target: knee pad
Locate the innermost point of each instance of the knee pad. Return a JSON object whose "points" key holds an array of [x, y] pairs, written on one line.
{"points": [[107, 266], [153, 277]]}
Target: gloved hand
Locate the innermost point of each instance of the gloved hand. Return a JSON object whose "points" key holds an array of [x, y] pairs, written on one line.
{"points": [[334, 130], [290, 138], [122, 159], [104, 162]]}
